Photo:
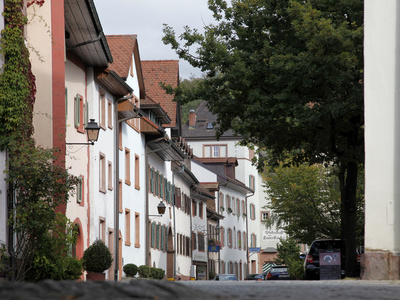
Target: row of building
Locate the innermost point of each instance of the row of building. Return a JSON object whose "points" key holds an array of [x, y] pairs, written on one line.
{"points": [[210, 194]]}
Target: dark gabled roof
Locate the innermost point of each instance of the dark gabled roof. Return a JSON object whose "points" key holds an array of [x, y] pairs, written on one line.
{"points": [[228, 181], [84, 35], [203, 118]]}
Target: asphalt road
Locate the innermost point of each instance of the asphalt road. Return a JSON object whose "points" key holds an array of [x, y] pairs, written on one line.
{"points": [[157, 290], [299, 289]]}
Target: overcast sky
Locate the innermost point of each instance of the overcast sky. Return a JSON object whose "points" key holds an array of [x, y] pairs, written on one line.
{"points": [[146, 19]]}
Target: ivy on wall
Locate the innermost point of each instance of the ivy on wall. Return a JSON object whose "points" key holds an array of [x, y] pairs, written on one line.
{"points": [[17, 83]]}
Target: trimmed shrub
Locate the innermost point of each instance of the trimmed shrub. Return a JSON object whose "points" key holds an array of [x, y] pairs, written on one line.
{"points": [[157, 273], [97, 258], [130, 270], [144, 271]]}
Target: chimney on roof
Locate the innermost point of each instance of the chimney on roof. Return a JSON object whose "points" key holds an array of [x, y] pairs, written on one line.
{"points": [[192, 119]]}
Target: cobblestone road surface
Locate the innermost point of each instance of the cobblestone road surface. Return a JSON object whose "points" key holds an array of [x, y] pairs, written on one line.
{"points": [[149, 289]]}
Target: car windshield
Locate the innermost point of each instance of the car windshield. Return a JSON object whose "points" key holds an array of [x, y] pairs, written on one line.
{"points": [[279, 270], [226, 277], [325, 245]]}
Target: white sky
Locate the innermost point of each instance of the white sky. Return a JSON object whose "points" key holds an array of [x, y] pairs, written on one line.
{"points": [[146, 19]]}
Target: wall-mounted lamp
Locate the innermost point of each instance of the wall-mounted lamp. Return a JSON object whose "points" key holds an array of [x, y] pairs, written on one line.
{"points": [[92, 131], [161, 209]]}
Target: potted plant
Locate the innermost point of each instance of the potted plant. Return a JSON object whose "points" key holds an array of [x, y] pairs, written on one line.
{"points": [[229, 210], [96, 259]]}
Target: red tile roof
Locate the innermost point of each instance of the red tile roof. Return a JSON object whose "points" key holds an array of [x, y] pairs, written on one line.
{"points": [[121, 47], [166, 71]]}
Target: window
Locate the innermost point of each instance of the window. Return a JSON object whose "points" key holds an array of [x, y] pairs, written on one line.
{"points": [[79, 190], [229, 238], [194, 241], [201, 210], [156, 183], [251, 154], [153, 235], [127, 227], [239, 239], [244, 241], [228, 202], [137, 230], [137, 172], [251, 182], [253, 241], [152, 180], [102, 173], [238, 207], [158, 236], [110, 176], [201, 243], [102, 229], [222, 231], [264, 215], [79, 114], [120, 195], [215, 151], [127, 166], [252, 211], [120, 136], [210, 126], [194, 208], [243, 208], [110, 114], [102, 110], [162, 243], [221, 201]]}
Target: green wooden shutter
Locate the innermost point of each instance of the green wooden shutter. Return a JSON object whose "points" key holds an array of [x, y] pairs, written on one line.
{"points": [[77, 111], [158, 236], [153, 231], [152, 180], [162, 237], [86, 113]]}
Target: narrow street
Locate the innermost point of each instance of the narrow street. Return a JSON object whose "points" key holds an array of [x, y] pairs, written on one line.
{"points": [[153, 289]]}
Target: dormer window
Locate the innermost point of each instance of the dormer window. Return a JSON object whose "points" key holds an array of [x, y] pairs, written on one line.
{"points": [[210, 126]]}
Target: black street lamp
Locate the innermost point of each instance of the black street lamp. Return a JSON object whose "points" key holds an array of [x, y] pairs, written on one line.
{"points": [[92, 131]]}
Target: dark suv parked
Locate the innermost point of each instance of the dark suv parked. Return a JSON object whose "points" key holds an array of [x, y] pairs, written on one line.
{"points": [[311, 262]]}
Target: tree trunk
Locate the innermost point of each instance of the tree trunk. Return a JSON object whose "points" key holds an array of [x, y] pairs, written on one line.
{"points": [[349, 218]]}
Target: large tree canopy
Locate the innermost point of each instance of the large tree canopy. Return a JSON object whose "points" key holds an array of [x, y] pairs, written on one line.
{"points": [[285, 75]]}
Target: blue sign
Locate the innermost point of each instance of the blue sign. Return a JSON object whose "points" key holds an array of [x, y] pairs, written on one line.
{"points": [[213, 248], [255, 249]]}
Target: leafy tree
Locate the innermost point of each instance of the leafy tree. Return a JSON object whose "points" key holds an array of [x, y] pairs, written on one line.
{"points": [[287, 75], [43, 236], [289, 255], [305, 201]]}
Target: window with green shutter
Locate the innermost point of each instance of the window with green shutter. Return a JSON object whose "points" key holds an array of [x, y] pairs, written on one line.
{"points": [[158, 236], [162, 237], [162, 194], [153, 234], [77, 111], [152, 180], [156, 183]]}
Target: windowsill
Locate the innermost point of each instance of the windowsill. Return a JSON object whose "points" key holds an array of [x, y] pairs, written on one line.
{"points": [[137, 245], [127, 243], [103, 190], [127, 182], [137, 187], [110, 188]]}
